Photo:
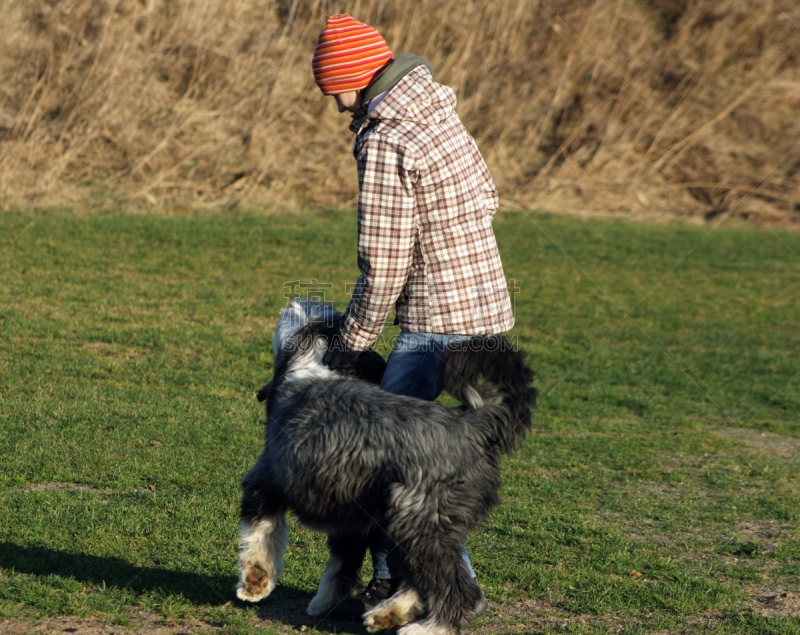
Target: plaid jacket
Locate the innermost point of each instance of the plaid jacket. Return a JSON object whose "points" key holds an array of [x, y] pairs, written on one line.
{"points": [[425, 209]]}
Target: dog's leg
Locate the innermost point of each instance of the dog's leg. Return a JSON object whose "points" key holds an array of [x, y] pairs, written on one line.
{"points": [[263, 535], [441, 578], [429, 524], [262, 543], [342, 577]]}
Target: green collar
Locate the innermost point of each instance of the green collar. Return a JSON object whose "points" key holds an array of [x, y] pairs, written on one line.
{"points": [[396, 70]]}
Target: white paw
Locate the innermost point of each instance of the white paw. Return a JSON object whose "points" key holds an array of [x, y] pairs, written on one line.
{"points": [[326, 596], [393, 612], [425, 628], [319, 606], [262, 544], [255, 583]]}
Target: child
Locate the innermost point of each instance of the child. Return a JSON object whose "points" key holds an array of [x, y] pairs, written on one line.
{"points": [[425, 239]]}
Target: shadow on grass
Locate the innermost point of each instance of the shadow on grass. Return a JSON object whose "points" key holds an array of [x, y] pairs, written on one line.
{"points": [[116, 572], [286, 604]]}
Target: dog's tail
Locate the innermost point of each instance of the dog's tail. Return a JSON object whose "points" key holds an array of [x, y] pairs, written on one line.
{"points": [[505, 396]]}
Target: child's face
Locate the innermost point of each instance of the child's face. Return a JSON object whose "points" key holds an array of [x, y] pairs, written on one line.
{"points": [[350, 101]]}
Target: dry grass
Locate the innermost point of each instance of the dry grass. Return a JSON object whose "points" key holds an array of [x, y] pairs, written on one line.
{"points": [[657, 106]]}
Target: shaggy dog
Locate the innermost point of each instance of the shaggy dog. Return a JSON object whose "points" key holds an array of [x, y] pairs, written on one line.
{"points": [[349, 459]]}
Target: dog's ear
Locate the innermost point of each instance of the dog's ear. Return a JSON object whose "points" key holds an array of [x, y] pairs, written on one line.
{"points": [[329, 326], [263, 394]]}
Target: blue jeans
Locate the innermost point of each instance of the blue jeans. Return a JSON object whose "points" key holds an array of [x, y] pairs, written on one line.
{"points": [[411, 371]]}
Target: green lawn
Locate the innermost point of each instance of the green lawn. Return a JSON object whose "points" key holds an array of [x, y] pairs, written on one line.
{"points": [[659, 492]]}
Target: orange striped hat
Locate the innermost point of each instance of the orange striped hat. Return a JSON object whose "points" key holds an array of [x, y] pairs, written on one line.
{"points": [[348, 55]]}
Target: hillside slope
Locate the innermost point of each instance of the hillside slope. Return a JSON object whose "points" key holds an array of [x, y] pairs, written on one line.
{"points": [[620, 106]]}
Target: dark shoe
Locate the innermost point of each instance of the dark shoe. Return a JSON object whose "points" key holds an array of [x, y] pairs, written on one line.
{"points": [[353, 609], [377, 591], [349, 610]]}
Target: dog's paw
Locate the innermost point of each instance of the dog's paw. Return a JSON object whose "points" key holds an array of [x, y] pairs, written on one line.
{"points": [[393, 612], [255, 584], [320, 605]]}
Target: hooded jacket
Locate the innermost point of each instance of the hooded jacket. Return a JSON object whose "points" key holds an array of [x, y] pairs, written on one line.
{"points": [[425, 209]]}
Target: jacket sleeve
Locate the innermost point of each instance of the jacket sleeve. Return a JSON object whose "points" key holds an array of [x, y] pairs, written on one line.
{"points": [[386, 236]]}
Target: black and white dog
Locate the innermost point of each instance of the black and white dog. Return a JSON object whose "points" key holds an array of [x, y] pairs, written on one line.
{"points": [[349, 458]]}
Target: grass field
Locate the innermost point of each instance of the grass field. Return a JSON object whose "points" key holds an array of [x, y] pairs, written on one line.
{"points": [[658, 493]]}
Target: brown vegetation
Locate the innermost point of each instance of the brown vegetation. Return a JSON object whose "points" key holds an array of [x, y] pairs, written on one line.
{"points": [[636, 106]]}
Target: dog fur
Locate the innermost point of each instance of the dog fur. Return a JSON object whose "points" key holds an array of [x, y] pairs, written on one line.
{"points": [[350, 459]]}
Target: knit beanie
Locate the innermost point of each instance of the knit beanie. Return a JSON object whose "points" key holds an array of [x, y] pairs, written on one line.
{"points": [[348, 55]]}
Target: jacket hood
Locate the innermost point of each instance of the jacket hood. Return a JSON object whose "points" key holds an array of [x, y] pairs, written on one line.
{"points": [[416, 98]]}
